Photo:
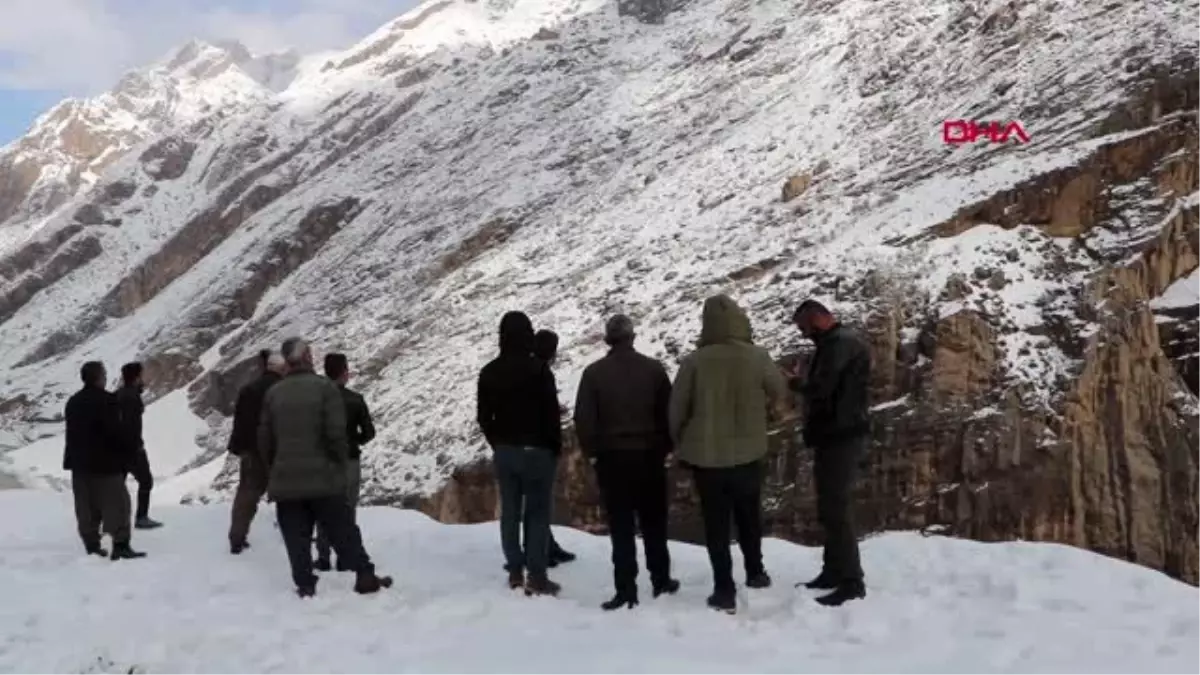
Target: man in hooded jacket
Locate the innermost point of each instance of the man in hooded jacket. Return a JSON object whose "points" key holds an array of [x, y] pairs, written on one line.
{"points": [[722, 397], [517, 409]]}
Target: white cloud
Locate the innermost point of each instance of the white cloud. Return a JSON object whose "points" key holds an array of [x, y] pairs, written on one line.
{"points": [[83, 46]]}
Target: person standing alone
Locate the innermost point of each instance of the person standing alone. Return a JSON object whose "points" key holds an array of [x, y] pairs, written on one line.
{"points": [[302, 436], [621, 419], [723, 395], [359, 431], [836, 426], [129, 398], [98, 457], [243, 442], [517, 409]]}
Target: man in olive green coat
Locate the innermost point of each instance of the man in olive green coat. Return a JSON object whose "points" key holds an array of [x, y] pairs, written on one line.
{"points": [[302, 438], [720, 402]]}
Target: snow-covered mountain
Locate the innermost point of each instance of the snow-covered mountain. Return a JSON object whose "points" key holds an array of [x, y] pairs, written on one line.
{"points": [[72, 144], [576, 157]]}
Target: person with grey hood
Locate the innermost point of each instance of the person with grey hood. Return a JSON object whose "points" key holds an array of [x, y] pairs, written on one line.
{"points": [[621, 419], [302, 438], [723, 396]]}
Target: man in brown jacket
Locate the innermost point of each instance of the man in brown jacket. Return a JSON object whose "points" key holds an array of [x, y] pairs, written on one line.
{"points": [[302, 438], [243, 442], [621, 419], [722, 397]]}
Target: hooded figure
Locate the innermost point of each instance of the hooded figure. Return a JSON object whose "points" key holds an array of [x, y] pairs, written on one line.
{"points": [[720, 402], [517, 410]]}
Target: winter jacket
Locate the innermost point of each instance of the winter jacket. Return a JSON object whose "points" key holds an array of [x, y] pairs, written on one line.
{"points": [[302, 437], [836, 389], [622, 404], [96, 442], [517, 399], [723, 392], [243, 440], [359, 427], [129, 400]]}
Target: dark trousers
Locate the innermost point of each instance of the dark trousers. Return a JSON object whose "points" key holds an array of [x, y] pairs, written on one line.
{"points": [[835, 469], [101, 500], [252, 485], [298, 517], [353, 484], [634, 485], [731, 493], [145, 480], [525, 477]]}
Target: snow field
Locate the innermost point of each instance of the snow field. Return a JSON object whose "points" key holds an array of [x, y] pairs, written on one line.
{"points": [[934, 605]]}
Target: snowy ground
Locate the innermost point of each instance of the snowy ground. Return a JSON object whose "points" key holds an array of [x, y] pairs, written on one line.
{"points": [[935, 605]]}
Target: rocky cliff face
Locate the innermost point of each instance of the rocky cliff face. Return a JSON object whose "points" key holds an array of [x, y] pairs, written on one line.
{"points": [[578, 157]]}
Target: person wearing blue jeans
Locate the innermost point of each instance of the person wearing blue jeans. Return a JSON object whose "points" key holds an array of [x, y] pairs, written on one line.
{"points": [[518, 412]]}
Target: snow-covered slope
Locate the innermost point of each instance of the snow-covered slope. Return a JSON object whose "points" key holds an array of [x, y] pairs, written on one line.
{"points": [[553, 155], [69, 147], [935, 605]]}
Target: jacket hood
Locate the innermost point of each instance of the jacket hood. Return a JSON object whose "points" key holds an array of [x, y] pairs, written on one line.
{"points": [[723, 322], [516, 334]]}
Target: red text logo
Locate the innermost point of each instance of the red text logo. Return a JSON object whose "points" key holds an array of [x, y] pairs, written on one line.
{"points": [[955, 132]]}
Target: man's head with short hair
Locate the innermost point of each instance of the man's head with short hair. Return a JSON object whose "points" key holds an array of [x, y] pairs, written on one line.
{"points": [[545, 345], [618, 330], [131, 374], [264, 358], [93, 374], [337, 367], [812, 318], [297, 353]]}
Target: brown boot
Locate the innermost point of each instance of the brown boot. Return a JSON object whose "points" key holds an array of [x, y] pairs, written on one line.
{"points": [[371, 583], [516, 579], [541, 586]]}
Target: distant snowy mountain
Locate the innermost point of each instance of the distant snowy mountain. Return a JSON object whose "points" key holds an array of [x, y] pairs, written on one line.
{"points": [[71, 145], [577, 157]]}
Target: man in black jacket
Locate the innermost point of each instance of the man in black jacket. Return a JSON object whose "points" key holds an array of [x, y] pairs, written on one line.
{"points": [[545, 347], [517, 409], [98, 457], [836, 427], [243, 442], [359, 431], [129, 397], [622, 422]]}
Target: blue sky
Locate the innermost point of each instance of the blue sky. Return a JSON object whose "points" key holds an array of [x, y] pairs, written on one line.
{"points": [[50, 49]]}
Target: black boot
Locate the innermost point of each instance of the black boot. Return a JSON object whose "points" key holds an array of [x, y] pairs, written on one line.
{"points": [[668, 587], [621, 599], [823, 582], [850, 590], [306, 591], [322, 565], [516, 579], [542, 585], [122, 551], [146, 523], [342, 567], [94, 548], [759, 580], [560, 556], [369, 582], [236, 547], [723, 601]]}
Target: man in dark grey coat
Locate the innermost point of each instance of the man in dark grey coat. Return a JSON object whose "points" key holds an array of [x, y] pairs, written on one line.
{"points": [[836, 426], [621, 419], [302, 435]]}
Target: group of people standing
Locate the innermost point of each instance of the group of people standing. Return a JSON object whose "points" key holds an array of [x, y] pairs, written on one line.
{"points": [[633, 423], [299, 438], [104, 445]]}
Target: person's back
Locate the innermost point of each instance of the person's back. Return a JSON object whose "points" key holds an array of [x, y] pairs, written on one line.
{"points": [[243, 439], [627, 394], [306, 448], [724, 391], [519, 402], [94, 439]]}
